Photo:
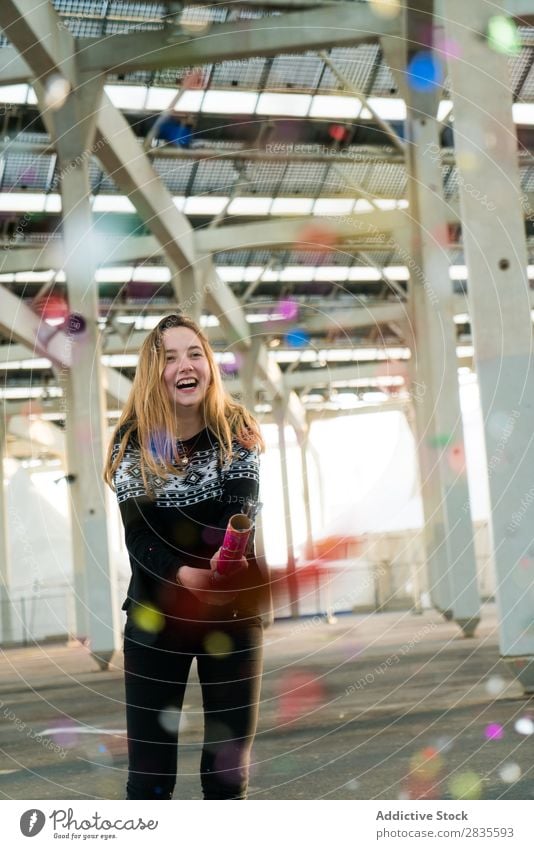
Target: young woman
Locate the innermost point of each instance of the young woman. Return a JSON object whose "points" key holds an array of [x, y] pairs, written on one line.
{"points": [[183, 459]]}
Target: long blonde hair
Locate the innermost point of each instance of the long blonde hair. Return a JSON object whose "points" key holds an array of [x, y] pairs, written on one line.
{"points": [[149, 415]]}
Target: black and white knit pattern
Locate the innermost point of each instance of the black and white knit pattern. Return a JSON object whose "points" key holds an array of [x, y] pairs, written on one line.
{"points": [[201, 481]]}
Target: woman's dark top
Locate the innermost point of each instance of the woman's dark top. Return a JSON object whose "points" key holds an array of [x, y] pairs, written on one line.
{"points": [[183, 523]]}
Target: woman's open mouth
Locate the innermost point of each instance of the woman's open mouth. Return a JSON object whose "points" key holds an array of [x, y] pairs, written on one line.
{"points": [[187, 384]]}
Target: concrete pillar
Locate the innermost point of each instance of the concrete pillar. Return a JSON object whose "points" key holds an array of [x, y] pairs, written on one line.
{"points": [[448, 525], [72, 128], [499, 302], [303, 445], [280, 418], [6, 619]]}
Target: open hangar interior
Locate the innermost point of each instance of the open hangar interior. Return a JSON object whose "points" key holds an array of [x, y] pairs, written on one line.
{"points": [[341, 194]]}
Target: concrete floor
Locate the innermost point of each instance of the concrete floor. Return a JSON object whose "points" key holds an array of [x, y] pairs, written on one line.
{"points": [[373, 707]]}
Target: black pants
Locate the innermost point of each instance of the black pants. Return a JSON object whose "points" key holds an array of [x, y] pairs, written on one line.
{"points": [[229, 665]]}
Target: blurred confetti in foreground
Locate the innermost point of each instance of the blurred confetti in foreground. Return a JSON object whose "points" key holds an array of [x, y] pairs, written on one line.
{"points": [[524, 726], [56, 91], [510, 772], [495, 685], [503, 35], [466, 785], [385, 8], [316, 236], [299, 693], [218, 643], [494, 731], [288, 309], [148, 618], [297, 339], [424, 72], [424, 778], [170, 719]]}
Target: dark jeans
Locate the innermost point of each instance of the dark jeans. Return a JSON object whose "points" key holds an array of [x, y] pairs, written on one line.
{"points": [[229, 664]]}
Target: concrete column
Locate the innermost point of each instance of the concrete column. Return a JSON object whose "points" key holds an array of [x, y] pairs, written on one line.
{"points": [[495, 247], [303, 445], [72, 128], [6, 620], [280, 418], [448, 526], [448, 529]]}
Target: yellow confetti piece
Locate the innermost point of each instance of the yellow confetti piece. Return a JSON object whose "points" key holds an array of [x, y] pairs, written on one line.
{"points": [[148, 618], [218, 644], [466, 785]]}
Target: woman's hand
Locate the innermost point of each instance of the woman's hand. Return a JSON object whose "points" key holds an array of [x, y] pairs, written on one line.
{"points": [[199, 582], [236, 569]]}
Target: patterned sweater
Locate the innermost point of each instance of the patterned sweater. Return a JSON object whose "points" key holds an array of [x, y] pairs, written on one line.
{"points": [[183, 523]]}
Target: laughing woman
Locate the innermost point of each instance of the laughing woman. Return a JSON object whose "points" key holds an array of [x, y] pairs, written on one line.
{"points": [[183, 459]]}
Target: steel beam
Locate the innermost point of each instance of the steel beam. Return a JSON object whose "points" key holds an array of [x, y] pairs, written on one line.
{"points": [[294, 32], [38, 432], [305, 231], [20, 324], [13, 68]]}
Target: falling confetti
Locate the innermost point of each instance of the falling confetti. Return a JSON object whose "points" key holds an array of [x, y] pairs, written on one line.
{"points": [[316, 236], [194, 79], [494, 731], [456, 458], [466, 785], [440, 440], [385, 8], [56, 91], [148, 618], [65, 733], [75, 324], [218, 644], [426, 764], [495, 685], [299, 693], [338, 132], [297, 339], [510, 772], [288, 309], [443, 744], [503, 35], [169, 719], [524, 726], [449, 48], [52, 308], [425, 72], [97, 753]]}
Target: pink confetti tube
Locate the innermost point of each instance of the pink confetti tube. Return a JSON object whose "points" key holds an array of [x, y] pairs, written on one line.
{"points": [[235, 543]]}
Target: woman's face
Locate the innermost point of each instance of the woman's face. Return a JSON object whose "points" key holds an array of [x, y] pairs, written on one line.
{"points": [[187, 372]]}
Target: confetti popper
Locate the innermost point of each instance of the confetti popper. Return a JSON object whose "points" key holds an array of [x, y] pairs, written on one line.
{"points": [[236, 539]]}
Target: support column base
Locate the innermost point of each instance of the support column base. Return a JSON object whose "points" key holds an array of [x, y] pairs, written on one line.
{"points": [[522, 668], [103, 658], [468, 626]]}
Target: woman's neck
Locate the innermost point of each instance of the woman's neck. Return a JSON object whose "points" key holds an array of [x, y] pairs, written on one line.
{"points": [[189, 423]]}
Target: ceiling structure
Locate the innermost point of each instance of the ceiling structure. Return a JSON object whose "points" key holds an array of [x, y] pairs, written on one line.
{"points": [[272, 159]]}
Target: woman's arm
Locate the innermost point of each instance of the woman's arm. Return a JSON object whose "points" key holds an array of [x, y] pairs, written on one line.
{"points": [[147, 551], [241, 484]]}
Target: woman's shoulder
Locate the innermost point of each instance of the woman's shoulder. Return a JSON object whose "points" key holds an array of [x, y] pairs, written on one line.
{"points": [[120, 432]]}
